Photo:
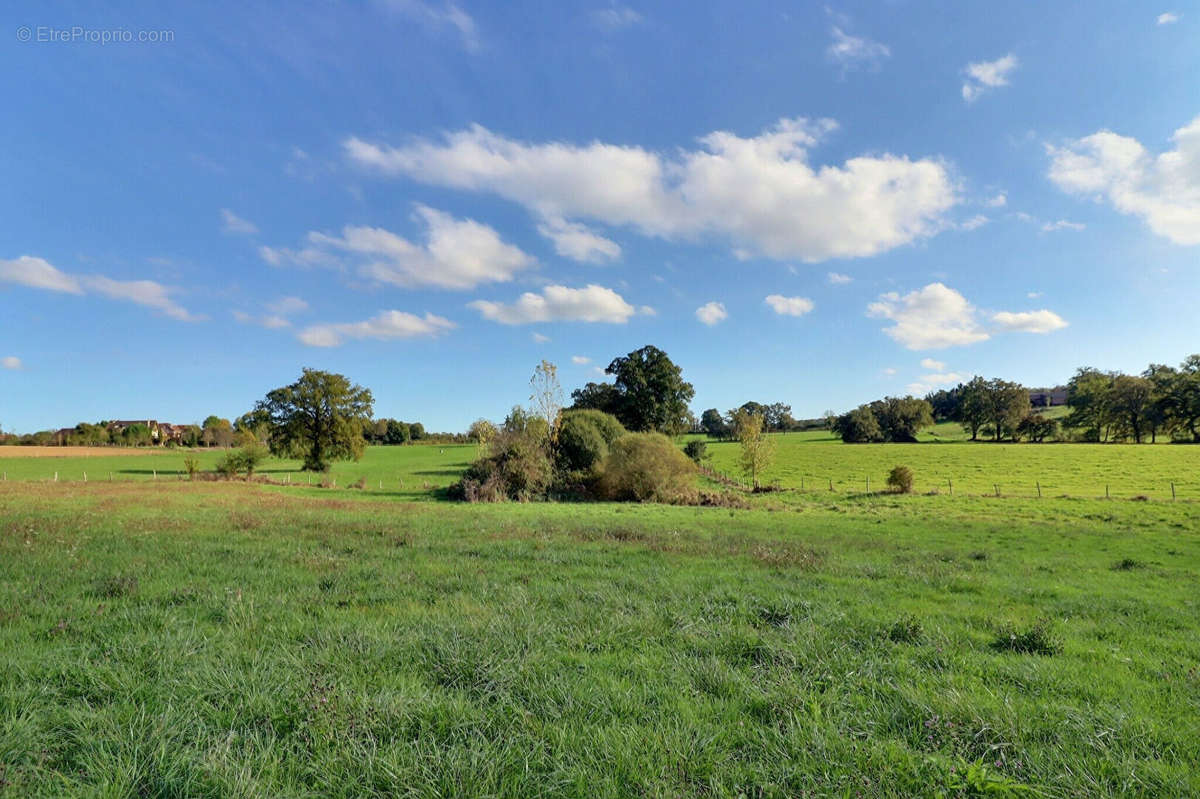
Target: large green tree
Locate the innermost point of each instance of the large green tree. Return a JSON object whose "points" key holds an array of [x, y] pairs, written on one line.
{"points": [[653, 393], [320, 417]]}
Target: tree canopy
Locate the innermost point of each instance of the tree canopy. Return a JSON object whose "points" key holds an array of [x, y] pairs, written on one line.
{"points": [[320, 417], [651, 392]]}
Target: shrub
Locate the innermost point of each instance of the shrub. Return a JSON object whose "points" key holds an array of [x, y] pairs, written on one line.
{"points": [[697, 450], [900, 480], [246, 459], [584, 438], [518, 467], [191, 465], [647, 467]]}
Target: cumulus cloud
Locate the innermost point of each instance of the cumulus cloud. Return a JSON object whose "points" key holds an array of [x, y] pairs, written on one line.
{"points": [[838, 279], [850, 51], [974, 223], [438, 16], [999, 201], [386, 326], [1163, 190], [538, 338], [456, 253], [1168, 18], [762, 193], [711, 313], [580, 360], [38, 273], [936, 366], [937, 316], [615, 18], [559, 304], [934, 317], [789, 306], [578, 242], [926, 383], [985, 75], [11, 362], [1029, 321], [232, 223]]}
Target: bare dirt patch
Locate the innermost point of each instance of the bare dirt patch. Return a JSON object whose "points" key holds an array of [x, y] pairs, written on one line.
{"points": [[75, 452]]}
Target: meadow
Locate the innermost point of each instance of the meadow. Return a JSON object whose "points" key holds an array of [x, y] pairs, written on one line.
{"points": [[178, 638]]}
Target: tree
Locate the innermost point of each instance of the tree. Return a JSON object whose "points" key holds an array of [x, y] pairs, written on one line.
{"points": [[1186, 395], [1130, 398], [1160, 416], [398, 432], [757, 449], [901, 418], [1008, 404], [597, 397], [973, 407], [481, 432], [858, 426], [714, 424], [546, 395], [216, 432], [416, 431], [778, 417], [653, 393], [1088, 397], [321, 416], [946, 403]]}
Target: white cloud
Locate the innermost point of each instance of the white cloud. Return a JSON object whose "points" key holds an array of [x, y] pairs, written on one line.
{"points": [[761, 193], [838, 279], [850, 51], [232, 223], [11, 362], [937, 316], [1163, 190], [711, 313], [279, 310], [539, 338], [934, 317], [1029, 321], [559, 304], [578, 242], [285, 306], [142, 292], [386, 326], [889, 371], [790, 306], [456, 253], [1168, 18], [646, 310], [580, 360], [615, 18], [1062, 224], [999, 201], [37, 273], [926, 383], [437, 16], [1033, 295], [975, 222], [932, 365], [985, 75]]}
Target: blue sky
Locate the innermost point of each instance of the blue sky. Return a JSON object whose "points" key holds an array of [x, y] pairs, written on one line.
{"points": [[803, 203]]}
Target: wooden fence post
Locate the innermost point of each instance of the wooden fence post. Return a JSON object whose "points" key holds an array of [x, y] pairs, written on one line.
{"points": [[1172, 490], [1106, 494], [1039, 486], [951, 482], [830, 483], [997, 487]]}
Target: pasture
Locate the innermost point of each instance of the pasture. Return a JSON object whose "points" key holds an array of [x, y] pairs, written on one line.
{"points": [[179, 638]]}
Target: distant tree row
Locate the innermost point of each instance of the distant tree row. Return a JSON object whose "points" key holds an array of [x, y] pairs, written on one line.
{"points": [[776, 418], [893, 419]]}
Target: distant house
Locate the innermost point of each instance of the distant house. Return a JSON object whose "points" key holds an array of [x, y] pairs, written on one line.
{"points": [[1048, 397], [120, 426]]}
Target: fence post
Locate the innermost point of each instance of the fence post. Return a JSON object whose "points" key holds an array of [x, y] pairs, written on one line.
{"points": [[1106, 495], [868, 484], [56, 477], [951, 482], [85, 477], [1172, 490], [1039, 485], [997, 487], [830, 483]]}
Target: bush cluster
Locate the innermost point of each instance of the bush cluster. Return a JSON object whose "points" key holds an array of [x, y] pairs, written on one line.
{"points": [[587, 455]]}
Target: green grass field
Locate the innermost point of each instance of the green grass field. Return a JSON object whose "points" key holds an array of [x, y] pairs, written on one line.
{"points": [[178, 639]]}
